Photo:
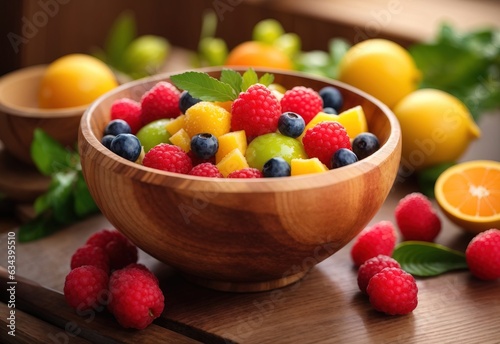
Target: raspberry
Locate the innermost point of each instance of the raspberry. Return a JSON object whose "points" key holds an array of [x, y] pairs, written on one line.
{"points": [[136, 299], [372, 266], [128, 110], [169, 158], [416, 218], [245, 173], [302, 100], [377, 239], [143, 268], [256, 111], [393, 291], [324, 139], [161, 101], [483, 255], [90, 255], [86, 287], [206, 169], [120, 250]]}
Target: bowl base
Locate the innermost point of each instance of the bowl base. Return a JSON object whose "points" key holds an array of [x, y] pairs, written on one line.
{"points": [[246, 287]]}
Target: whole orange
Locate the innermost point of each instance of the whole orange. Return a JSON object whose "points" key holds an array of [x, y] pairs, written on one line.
{"points": [[258, 54]]}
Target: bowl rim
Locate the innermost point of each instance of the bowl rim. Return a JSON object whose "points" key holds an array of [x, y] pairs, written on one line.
{"points": [[27, 111], [291, 183]]}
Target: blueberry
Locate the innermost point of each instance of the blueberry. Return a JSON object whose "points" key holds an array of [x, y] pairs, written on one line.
{"points": [[343, 157], [106, 140], [117, 126], [365, 144], [330, 111], [186, 101], [331, 97], [276, 167], [291, 124], [204, 145], [127, 146]]}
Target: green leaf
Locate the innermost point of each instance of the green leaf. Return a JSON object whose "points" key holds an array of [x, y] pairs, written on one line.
{"points": [[121, 34], [201, 85], [232, 78], [61, 193], [426, 259], [49, 155], [84, 203], [267, 79], [42, 225], [250, 77]]}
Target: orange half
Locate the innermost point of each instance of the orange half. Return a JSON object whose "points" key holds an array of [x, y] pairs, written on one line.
{"points": [[469, 194]]}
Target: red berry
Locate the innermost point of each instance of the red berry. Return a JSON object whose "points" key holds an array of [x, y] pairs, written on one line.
{"points": [[161, 101], [256, 111], [246, 173], [483, 255], [302, 100], [206, 169], [169, 158], [90, 255], [372, 241], [324, 139], [143, 268], [136, 299], [393, 291], [416, 218], [128, 110], [86, 287], [372, 266], [120, 250]]}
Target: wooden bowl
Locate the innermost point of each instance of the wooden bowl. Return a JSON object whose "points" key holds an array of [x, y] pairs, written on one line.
{"points": [[240, 235], [20, 114]]}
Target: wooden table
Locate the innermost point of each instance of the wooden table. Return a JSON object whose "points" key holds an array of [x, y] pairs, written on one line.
{"points": [[324, 307]]}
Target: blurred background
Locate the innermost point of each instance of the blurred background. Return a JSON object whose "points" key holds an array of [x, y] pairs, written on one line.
{"points": [[39, 31]]}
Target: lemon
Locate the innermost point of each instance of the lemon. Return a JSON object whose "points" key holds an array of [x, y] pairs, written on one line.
{"points": [[74, 80], [381, 68], [436, 128]]}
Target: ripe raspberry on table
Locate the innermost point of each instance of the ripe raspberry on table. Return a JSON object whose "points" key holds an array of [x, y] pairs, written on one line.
{"points": [[169, 158], [90, 255], [135, 298], [324, 139], [257, 111], [120, 250], [373, 266], [161, 101], [128, 110], [416, 218], [302, 100], [393, 291], [372, 241], [483, 255], [86, 287]]}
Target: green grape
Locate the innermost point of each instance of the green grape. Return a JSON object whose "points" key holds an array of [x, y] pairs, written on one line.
{"points": [[153, 133], [267, 31], [145, 55], [289, 43], [213, 50]]}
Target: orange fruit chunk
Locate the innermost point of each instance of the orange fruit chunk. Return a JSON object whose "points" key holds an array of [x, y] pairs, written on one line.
{"points": [[258, 54], [469, 194]]}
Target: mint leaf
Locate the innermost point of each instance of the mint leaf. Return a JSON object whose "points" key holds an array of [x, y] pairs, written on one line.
{"points": [[119, 37], [84, 203], [49, 155], [202, 86], [62, 196], [42, 225], [267, 79], [426, 259], [249, 78], [232, 78]]}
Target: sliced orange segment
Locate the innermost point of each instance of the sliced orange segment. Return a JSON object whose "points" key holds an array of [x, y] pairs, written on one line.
{"points": [[469, 194]]}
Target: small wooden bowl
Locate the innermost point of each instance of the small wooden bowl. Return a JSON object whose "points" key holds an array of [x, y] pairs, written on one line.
{"points": [[240, 235], [20, 114]]}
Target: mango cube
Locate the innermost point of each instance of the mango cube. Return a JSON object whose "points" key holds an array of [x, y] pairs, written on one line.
{"points": [[233, 161], [230, 141], [182, 140], [176, 124], [306, 166]]}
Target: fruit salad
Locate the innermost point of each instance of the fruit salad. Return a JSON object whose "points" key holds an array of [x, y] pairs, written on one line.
{"points": [[238, 126]]}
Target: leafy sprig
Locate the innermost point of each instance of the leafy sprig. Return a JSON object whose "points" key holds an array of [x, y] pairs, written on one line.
{"points": [[205, 87], [67, 199]]}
